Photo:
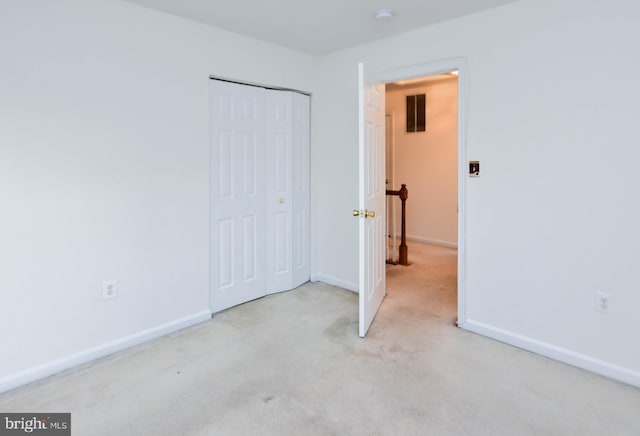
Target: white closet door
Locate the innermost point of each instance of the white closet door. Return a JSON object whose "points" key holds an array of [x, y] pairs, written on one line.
{"points": [[300, 189], [279, 192], [238, 271]]}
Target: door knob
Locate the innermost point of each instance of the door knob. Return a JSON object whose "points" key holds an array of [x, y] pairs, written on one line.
{"points": [[364, 213], [281, 200]]}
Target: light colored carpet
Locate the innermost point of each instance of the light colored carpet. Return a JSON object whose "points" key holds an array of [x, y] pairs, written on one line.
{"points": [[292, 364]]}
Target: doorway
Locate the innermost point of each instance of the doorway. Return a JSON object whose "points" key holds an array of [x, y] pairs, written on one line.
{"points": [[430, 69], [422, 154]]}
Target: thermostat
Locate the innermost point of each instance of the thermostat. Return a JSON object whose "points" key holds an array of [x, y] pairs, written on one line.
{"points": [[474, 168]]}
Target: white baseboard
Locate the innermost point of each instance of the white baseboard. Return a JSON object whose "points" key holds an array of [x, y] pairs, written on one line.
{"points": [[45, 370], [432, 242], [353, 287], [606, 369]]}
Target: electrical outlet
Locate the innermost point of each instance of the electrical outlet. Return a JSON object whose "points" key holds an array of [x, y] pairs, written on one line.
{"points": [[604, 302], [109, 289]]}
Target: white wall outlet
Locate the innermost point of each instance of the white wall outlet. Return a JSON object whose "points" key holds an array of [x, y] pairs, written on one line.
{"points": [[109, 289], [604, 302]]}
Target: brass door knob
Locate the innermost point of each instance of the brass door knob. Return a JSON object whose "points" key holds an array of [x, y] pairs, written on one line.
{"points": [[281, 200], [364, 213]]}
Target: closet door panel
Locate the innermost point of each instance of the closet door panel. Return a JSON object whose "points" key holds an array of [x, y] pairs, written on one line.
{"points": [[249, 249], [238, 222], [279, 190], [300, 189], [226, 237], [259, 192]]}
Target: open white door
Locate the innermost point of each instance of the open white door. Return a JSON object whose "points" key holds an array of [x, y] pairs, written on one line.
{"points": [[372, 197]]}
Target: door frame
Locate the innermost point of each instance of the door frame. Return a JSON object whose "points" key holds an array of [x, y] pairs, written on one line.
{"points": [[429, 69], [390, 210]]}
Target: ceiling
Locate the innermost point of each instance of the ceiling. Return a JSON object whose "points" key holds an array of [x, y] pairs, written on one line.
{"points": [[321, 26], [420, 81]]}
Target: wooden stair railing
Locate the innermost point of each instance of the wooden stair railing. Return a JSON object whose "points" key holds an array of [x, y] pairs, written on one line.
{"points": [[403, 193]]}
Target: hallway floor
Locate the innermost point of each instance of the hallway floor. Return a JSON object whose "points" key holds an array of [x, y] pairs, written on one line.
{"points": [[292, 364]]}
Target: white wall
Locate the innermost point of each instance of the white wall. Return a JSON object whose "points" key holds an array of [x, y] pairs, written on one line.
{"points": [[104, 173], [427, 162], [553, 217]]}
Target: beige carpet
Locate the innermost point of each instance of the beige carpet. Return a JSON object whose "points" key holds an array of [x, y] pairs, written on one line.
{"points": [[292, 364]]}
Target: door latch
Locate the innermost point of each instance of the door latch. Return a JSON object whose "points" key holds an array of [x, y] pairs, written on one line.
{"points": [[364, 213]]}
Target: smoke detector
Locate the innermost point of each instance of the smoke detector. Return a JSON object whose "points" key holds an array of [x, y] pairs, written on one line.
{"points": [[384, 15]]}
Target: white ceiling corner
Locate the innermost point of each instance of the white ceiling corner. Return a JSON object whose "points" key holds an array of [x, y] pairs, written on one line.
{"points": [[322, 26]]}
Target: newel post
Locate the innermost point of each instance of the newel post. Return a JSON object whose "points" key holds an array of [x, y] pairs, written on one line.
{"points": [[404, 252]]}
